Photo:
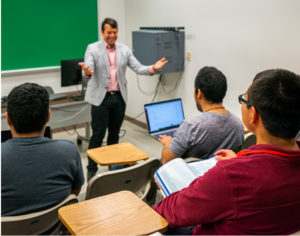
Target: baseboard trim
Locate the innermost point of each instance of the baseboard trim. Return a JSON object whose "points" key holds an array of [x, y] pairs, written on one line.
{"points": [[67, 128], [136, 122], [128, 118]]}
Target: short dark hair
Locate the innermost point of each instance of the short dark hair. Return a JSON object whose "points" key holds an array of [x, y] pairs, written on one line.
{"points": [[275, 94], [212, 83], [27, 107], [112, 22]]}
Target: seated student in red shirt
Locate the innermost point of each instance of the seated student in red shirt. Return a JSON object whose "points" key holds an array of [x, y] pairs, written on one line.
{"points": [[256, 191]]}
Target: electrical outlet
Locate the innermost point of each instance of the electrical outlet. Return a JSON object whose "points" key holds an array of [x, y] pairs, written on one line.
{"points": [[188, 56]]}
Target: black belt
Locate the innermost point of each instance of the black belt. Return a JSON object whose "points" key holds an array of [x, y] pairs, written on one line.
{"points": [[113, 92]]}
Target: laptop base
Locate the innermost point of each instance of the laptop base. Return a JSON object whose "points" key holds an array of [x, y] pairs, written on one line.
{"points": [[168, 133]]}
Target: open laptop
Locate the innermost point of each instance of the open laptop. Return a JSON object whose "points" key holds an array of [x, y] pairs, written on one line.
{"points": [[163, 118]]}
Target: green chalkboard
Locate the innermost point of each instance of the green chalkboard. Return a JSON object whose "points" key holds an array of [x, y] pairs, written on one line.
{"points": [[41, 33]]}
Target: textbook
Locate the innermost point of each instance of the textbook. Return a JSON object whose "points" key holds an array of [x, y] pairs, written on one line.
{"points": [[177, 174]]}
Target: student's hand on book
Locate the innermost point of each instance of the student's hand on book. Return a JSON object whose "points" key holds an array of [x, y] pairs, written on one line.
{"points": [[165, 140], [224, 154]]}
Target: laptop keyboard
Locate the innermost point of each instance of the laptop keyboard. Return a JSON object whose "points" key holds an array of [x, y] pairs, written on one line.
{"points": [[169, 133]]}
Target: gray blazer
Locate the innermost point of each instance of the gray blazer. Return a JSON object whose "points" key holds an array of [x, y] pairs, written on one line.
{"points": [[96, 57]]}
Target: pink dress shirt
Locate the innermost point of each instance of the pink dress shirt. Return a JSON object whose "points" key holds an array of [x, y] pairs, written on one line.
{"points": [[113, 84]]}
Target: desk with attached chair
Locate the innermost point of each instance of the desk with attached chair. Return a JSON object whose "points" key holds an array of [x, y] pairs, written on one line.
{"points": [[117, 154], [121, 213]]}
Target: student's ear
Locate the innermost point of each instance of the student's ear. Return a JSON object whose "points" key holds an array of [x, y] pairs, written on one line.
{"points": [[49, 114], [8, 120], [254, 116], [199, 94]]}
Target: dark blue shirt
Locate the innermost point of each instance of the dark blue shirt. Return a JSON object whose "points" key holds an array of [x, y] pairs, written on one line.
{"points": [[38, 173]]}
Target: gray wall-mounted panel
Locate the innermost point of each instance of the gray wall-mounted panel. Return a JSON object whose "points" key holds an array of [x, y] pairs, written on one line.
{"points": [[151, 45]]}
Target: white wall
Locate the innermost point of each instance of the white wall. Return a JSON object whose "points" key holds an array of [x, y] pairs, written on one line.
{"points": [[116, 10], [240, 37], [43, 77]]}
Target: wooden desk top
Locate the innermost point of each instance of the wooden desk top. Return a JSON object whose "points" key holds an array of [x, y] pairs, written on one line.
{"points": [[121, 213], [117, 154]]}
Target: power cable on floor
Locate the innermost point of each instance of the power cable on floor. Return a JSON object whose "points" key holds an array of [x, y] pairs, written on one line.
{"points": [[124, 133], [68, 131]]}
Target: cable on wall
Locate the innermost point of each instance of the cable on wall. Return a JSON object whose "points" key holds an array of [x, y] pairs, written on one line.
{"points": [[141, 90], [175, 87], [155, 94], [176, 83]]}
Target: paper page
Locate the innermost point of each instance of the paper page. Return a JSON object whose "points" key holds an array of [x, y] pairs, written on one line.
{"points": [[174, 176], [200, 167]]}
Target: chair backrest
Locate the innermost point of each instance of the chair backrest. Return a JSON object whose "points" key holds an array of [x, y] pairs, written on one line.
{"points": [[249, 141], [49, 89], [6, 134], [34, 223], [137, 178]]}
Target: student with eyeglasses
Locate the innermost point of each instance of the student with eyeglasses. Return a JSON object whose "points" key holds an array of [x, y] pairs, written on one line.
{"points": [[257, 190]]}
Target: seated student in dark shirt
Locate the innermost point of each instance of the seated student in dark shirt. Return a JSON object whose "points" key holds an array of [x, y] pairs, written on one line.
{"points": [[256, 191], [36, 172]]}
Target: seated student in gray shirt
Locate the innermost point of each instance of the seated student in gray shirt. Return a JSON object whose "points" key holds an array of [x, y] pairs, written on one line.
{"points": [[214, 129], [36, 172]]}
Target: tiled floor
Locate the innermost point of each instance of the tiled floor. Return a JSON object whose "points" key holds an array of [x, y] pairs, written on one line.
{"points": [[129, 133]]}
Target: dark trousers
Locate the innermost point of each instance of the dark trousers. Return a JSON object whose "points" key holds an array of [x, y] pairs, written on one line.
{"points": [[180, 231], [108, 115]]}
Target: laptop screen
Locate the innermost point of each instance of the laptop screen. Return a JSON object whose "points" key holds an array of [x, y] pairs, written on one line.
{"points": [[164, 115]]}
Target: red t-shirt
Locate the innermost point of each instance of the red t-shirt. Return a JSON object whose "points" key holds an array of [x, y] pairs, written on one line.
{"points": [[255, 193]]}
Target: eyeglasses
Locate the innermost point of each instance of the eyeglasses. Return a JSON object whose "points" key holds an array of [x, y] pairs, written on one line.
{"points": [[242, 99]]}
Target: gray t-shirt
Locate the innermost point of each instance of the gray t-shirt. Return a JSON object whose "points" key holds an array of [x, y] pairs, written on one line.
{"points": [[38, 173], [203, 135]]}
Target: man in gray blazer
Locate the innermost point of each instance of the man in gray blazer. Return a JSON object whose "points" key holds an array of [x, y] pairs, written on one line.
{"points": [[104, 67]]}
